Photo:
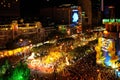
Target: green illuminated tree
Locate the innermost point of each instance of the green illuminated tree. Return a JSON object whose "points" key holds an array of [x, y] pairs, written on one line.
{"points": [[3, 68], [20, 72]]}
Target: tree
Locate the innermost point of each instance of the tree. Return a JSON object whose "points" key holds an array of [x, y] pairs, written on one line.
{"points": [[4, 66], [20, 72]]}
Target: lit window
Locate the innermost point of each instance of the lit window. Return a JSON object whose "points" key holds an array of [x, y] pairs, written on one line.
{"points": [[16, 0], [4, 5], [9, 5], [1, 2]]}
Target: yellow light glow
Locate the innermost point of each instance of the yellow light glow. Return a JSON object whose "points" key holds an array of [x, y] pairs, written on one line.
{"points": [[10, 53], [21, 40], [105, 32]]}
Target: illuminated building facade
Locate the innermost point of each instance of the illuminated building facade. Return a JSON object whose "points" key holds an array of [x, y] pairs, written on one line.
{"points": [[8, 32]]}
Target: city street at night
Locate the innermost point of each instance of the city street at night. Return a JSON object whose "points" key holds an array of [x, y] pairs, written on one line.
{"points": [[59, 40]]}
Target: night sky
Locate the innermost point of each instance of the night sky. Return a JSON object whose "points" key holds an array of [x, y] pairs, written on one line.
{"points": [[32, 7], [47, 3], [116, 4], [29, 7]]}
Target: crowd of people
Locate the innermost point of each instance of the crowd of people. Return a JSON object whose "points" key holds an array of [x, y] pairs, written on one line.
{"points": [[87, 69], [84, 69]]}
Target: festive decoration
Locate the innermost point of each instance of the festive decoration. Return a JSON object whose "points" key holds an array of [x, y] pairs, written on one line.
{"points": [[20, 72], [106, 52]]}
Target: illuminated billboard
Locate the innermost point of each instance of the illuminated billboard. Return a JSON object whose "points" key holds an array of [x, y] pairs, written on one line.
{"points": [[75, 16]]}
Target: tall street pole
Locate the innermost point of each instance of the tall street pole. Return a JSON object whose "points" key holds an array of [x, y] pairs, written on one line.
{"points": [[102, 5], [102, 10]]}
